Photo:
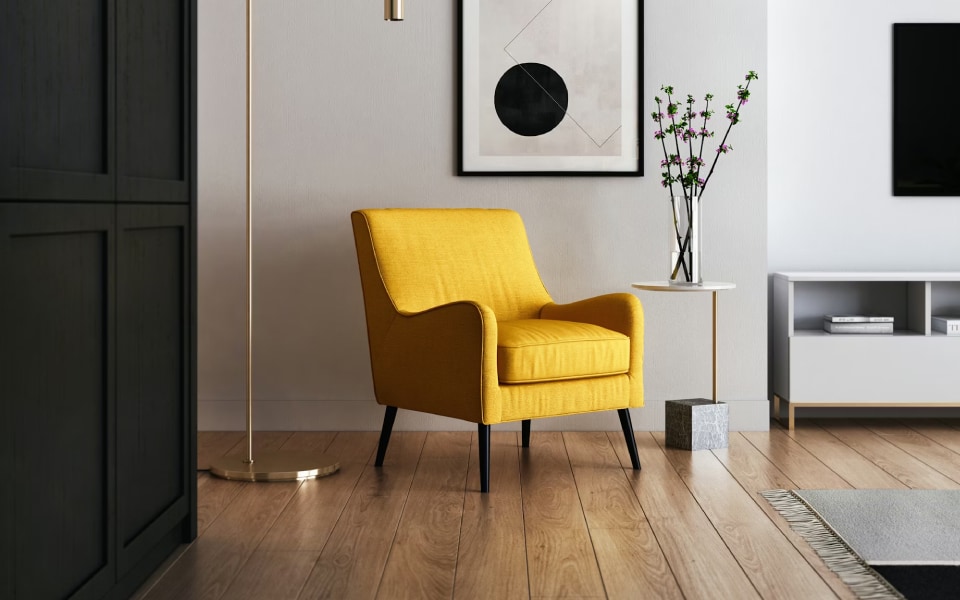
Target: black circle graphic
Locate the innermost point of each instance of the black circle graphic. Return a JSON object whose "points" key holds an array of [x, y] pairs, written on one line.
{"points": [[531, 99]]}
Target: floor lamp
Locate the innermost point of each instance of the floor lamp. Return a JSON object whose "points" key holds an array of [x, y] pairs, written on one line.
{"points": [[281, 465]]}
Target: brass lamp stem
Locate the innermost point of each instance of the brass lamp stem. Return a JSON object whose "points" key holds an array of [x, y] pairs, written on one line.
{"points": [[282, 465], [249, 373]]}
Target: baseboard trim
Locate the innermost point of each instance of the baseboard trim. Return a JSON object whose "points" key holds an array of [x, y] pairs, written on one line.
{"points": [[367, 415]]}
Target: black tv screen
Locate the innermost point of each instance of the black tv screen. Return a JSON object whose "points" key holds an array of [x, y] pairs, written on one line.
{"points": [[926, 124]]}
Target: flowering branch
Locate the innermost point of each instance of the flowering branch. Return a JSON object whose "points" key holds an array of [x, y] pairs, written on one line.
{"points": [[684, 131], [733, 114], [692, 185], [669, 159]]}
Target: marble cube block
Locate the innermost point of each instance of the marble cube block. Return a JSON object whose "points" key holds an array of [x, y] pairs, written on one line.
{"points": [[697, 424]]}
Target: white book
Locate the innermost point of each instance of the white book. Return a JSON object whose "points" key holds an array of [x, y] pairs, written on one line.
{"points": [[857, 319], [830, 327], [947, 325]]}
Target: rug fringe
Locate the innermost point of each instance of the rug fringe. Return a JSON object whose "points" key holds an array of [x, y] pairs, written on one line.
{"points": [[863, 581]]}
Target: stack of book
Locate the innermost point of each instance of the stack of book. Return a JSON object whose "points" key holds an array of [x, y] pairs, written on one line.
{"points": [[947, 325], [857, 324]]}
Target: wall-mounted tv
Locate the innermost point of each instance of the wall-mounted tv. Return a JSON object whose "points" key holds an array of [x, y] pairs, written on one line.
{"points": [[926, 123]]}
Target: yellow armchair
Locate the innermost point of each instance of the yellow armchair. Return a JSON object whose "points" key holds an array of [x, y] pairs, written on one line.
{"points": [[460, 324]]}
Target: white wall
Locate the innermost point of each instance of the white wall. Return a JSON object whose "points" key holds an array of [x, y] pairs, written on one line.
{"points": [[353, 112], [830, 157]]}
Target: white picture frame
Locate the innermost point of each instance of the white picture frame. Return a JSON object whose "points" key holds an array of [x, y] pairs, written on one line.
{"points": [[550, 87]]}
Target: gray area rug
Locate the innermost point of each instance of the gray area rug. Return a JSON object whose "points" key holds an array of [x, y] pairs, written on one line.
{"points": [[856, 530], [893, 526]]}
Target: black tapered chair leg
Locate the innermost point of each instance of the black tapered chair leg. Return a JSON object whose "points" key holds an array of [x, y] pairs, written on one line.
{"points": [[483, 434], [627, 426], [388, 418], [525, 433]]}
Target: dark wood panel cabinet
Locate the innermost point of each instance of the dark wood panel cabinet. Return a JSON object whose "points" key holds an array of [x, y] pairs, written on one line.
{"points": [[154, 471], [97, 293], [153, 113], [96, 395], [58, 100], [58, 395]]}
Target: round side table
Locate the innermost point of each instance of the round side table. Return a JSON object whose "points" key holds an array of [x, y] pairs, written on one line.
{"points": [[708, 286], [684, 427]]}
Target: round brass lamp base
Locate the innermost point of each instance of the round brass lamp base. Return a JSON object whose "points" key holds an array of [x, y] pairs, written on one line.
{"points": [[276, 466]]}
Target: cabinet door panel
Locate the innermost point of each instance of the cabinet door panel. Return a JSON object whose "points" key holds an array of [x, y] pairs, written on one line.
{"points": [[153, 101], [56, 397], [153, 287], [56, 118], [873, 369]]}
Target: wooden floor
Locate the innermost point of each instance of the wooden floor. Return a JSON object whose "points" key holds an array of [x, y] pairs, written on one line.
{"points": [[566, 518]]}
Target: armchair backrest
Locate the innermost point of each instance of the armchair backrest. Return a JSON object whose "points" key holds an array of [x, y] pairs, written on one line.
{"points": [[429, 257]]}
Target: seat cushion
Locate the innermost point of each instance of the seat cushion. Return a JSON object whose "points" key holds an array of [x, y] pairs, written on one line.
{"points": [[532, 350]]}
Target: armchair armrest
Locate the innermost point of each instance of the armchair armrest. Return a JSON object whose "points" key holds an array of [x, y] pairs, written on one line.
{"points": [[620, 312], [441, 361]]}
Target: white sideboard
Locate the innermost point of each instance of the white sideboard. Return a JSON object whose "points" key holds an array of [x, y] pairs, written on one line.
{"points": [[914, 366]]}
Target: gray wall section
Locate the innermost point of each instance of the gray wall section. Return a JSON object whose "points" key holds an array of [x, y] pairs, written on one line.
{"points": [[354, 112], [831, 199]]}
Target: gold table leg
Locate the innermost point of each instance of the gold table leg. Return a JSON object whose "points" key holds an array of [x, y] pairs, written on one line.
{"points": [[715, 346]]}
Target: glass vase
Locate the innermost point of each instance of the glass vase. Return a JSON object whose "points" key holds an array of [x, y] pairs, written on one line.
{"points": [[685, 241]]}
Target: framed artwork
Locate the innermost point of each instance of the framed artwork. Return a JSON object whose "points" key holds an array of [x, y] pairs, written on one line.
{"points": [[550, 87]]}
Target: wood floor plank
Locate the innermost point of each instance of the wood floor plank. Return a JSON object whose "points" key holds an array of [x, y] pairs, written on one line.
{"points": [[567, 517], [273, 574], [423, 560], [213, 496], [312, 513], [906, 468], [627, 551], [352, 561], [936, 430], [702, 564], [560, 556], [282, 562], [756, 473], [630, 560], [843, 460], [312, 441], [746, 530], [805, 470], [211, 563], [491, 537], [605, 494], [213, 444], [921, 447]]}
